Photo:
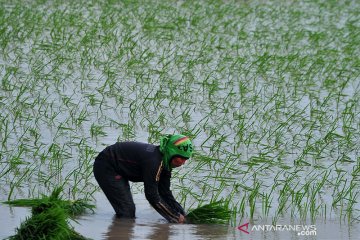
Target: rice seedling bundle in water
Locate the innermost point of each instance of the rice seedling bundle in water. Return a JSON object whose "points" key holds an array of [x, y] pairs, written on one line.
{"points": [[49, 218], [47, 222], [212, 213], [72, 208]]}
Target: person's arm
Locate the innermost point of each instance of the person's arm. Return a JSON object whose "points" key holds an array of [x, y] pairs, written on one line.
{"points": [[166, 194], [151, 179]]}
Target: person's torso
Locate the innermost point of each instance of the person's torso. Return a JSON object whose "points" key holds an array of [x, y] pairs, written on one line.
{"points": [[131, 159]]}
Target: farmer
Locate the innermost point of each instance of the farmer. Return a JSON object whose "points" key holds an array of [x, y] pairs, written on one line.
{"points": [[122, 162]]}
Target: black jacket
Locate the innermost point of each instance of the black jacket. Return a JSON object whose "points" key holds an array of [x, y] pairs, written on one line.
{"points": [[142, 162]]}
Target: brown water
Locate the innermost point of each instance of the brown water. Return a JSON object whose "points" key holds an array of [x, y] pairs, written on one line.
{"points": [[150, 225]]}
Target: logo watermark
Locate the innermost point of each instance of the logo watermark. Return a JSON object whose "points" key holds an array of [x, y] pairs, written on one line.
{"points": [[301, 230]]}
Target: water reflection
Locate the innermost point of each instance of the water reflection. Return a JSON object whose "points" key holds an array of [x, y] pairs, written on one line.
{"points": [[120, 229], [207, 231], [161, 232], [140, 229], [132, 229]]}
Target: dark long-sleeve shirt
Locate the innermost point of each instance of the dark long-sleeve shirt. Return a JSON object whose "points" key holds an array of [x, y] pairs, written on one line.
{"points": [[142, 162]]}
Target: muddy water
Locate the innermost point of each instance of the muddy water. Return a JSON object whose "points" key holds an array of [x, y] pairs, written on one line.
{"points": [[150, 225]]}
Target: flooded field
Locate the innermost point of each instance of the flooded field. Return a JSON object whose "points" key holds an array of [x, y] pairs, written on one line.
{"points": [[150, 225], [269, 91]]}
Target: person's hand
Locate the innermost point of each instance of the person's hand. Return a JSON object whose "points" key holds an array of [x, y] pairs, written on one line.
{"points": [[182, 219]]}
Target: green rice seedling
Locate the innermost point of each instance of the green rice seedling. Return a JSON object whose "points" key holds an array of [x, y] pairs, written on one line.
{"points": [[5, 132], [79, 179], [71, 208], [352, 200], [338, 197], [253, 196], [16, 182], [215, 212], [49, 217], [241, 208], [48, 221], [128, 131], [284, 196], [317, 189], [266, 203], [96, 131]]}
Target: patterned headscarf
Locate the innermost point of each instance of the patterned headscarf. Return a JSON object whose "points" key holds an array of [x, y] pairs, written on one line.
{"points": [[175, 145]]}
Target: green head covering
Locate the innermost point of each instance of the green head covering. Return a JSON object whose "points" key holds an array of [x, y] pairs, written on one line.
{"points": [[172, 145]]}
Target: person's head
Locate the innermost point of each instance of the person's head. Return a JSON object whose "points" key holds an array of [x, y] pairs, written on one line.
{"points": [[176, 149]]}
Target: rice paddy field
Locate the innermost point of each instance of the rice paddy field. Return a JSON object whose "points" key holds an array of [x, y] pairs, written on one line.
{"points": [[269, 91]]}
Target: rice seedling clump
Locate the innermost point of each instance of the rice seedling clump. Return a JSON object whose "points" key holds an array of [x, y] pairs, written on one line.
{"points": [[49, 219], [214, 212]]}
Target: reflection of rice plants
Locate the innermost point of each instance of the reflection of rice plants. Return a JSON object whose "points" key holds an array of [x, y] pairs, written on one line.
{"points": [[270, 95], [49, 219]]}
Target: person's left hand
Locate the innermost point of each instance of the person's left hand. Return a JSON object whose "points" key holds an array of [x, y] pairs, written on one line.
{"points": [[182, 219]]}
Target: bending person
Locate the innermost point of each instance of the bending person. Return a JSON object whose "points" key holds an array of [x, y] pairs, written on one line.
{"points": [[122, 162]]}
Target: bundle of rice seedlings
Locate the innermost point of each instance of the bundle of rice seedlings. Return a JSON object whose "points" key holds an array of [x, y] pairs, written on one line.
{"points": [[47, 222], [214, 212], [49, 219], [72, 208]]}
